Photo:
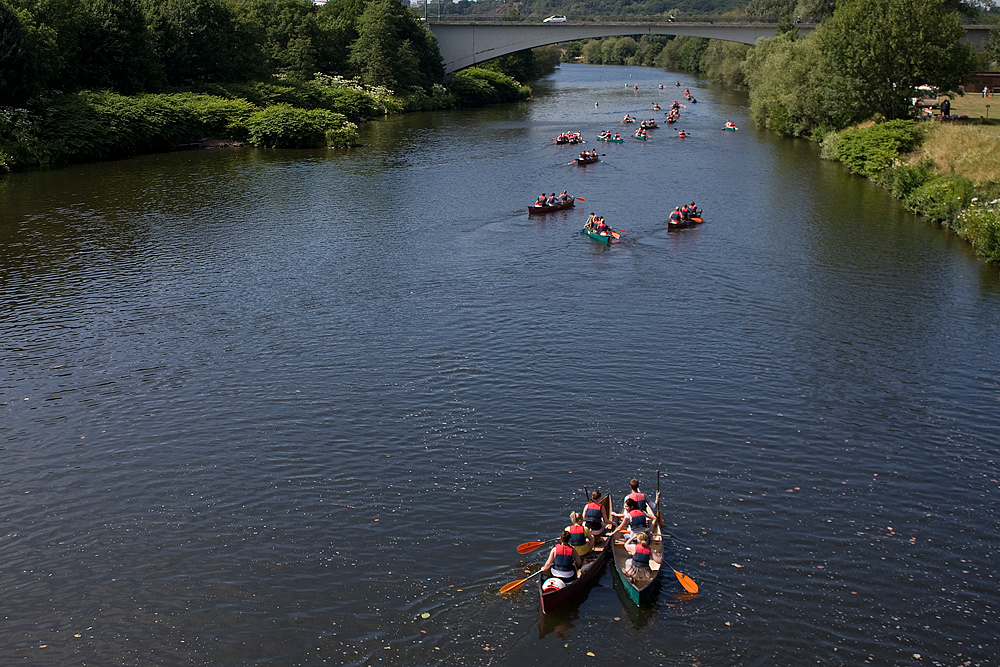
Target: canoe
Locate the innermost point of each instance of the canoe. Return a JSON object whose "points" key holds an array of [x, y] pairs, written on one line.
{"points": [[581, 161], [648, 126], [534, 209], [612, 140], [683, 224], [644, 592], [603, 238], [639, 137], [591, 570]]}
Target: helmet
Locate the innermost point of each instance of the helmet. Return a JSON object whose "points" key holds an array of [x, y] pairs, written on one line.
{"points": [[553, 584]]}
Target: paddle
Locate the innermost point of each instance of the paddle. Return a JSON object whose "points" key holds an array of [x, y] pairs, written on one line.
{"points": [[581, 199], [659, 519], [687, 582], [515, 585], [528, 547], [623, 231]]}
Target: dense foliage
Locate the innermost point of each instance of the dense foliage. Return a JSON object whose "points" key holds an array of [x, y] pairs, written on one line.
{"points": [[883, 49]]}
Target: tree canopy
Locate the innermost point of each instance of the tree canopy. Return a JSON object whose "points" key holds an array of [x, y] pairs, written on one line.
{"points": [[884, 49]]}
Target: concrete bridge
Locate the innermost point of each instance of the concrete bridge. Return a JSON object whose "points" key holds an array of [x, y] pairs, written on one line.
{"points": [[466, 43]]}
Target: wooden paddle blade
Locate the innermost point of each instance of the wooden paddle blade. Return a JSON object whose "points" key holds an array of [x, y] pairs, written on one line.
{"points": [[687, 582], [513, 586], [528, 547]]}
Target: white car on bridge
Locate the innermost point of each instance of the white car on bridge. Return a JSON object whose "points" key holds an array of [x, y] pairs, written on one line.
{"points": [[555, 19]]}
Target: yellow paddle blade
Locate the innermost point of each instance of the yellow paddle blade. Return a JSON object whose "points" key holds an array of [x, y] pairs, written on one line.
{"points": [[513, 586], [687, 582]]}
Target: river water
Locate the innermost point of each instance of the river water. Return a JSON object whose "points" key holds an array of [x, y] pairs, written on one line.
{"points": [[299, 407]]}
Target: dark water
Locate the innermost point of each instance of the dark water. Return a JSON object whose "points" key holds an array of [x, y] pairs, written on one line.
{"points": [[272, 407]]}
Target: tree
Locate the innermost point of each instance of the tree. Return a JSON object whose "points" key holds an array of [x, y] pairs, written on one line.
{"points": [[198, 41], [884, 49], [18, 71], [113, 48], [394, 50]]}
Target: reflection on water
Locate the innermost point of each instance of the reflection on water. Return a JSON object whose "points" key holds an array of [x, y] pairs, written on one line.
{"points": [[299, 407]]}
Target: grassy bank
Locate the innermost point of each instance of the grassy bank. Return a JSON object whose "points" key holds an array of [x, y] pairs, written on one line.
{"points": [[948, 171]]}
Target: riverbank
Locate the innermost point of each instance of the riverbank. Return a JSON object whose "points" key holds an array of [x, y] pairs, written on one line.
{"points": [[87, 126], [948, 171]]}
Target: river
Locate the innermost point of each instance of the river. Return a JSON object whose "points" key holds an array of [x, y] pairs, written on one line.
{"points": [[299, 407]]}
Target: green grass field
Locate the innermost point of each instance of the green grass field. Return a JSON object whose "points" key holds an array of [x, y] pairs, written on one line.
{"points": [[975, 106]]}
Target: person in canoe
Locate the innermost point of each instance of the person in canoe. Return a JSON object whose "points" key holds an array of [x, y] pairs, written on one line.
{"points": [[563, 198], [730, 126], [584, 155], [675, 215], [656, 107], [628, 119], [637, 567], [694, 211], [563, 559], [580, 537], [595, 515], [541, 200], [617, 137], [677, 105], [634, 520], [601, 227], [685, 213], [682, 134], [551, 201], [641, 501]]}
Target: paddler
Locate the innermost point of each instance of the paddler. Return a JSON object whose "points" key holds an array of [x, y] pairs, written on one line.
{"points": [[563, 559], [633, 519], [641, 501], [564, 197], [675, 215], [637, 567], [594, 514], [580, 536]]}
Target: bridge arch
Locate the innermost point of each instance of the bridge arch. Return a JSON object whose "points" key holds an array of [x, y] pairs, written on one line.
{"points": [[466, 43]]}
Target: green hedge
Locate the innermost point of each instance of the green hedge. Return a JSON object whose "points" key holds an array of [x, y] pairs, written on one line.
{"points": [[285, 126], [870, 150], [979, 223], [477, 87]]}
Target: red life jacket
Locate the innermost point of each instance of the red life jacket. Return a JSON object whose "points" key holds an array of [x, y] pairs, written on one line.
{"points": [[563, 559], [577, 536], [637, 520], [641, 555], [593, 515]]}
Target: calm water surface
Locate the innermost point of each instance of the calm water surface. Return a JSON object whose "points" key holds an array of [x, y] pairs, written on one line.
{"points": [[274, 407]]}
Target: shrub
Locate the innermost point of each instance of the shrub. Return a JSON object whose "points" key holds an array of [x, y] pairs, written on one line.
{"points": [[902, 179], [285, 126], [868, 151], [979, 224], [476, 86], [941, 197]]}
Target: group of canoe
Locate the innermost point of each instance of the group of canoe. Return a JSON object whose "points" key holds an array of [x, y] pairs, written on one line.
{"points": [[591, 538]]}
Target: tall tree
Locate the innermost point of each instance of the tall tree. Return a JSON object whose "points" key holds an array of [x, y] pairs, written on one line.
{"points": [[199, 41], [393, 49], [18, 69], [884, 49], [113, 48]]}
